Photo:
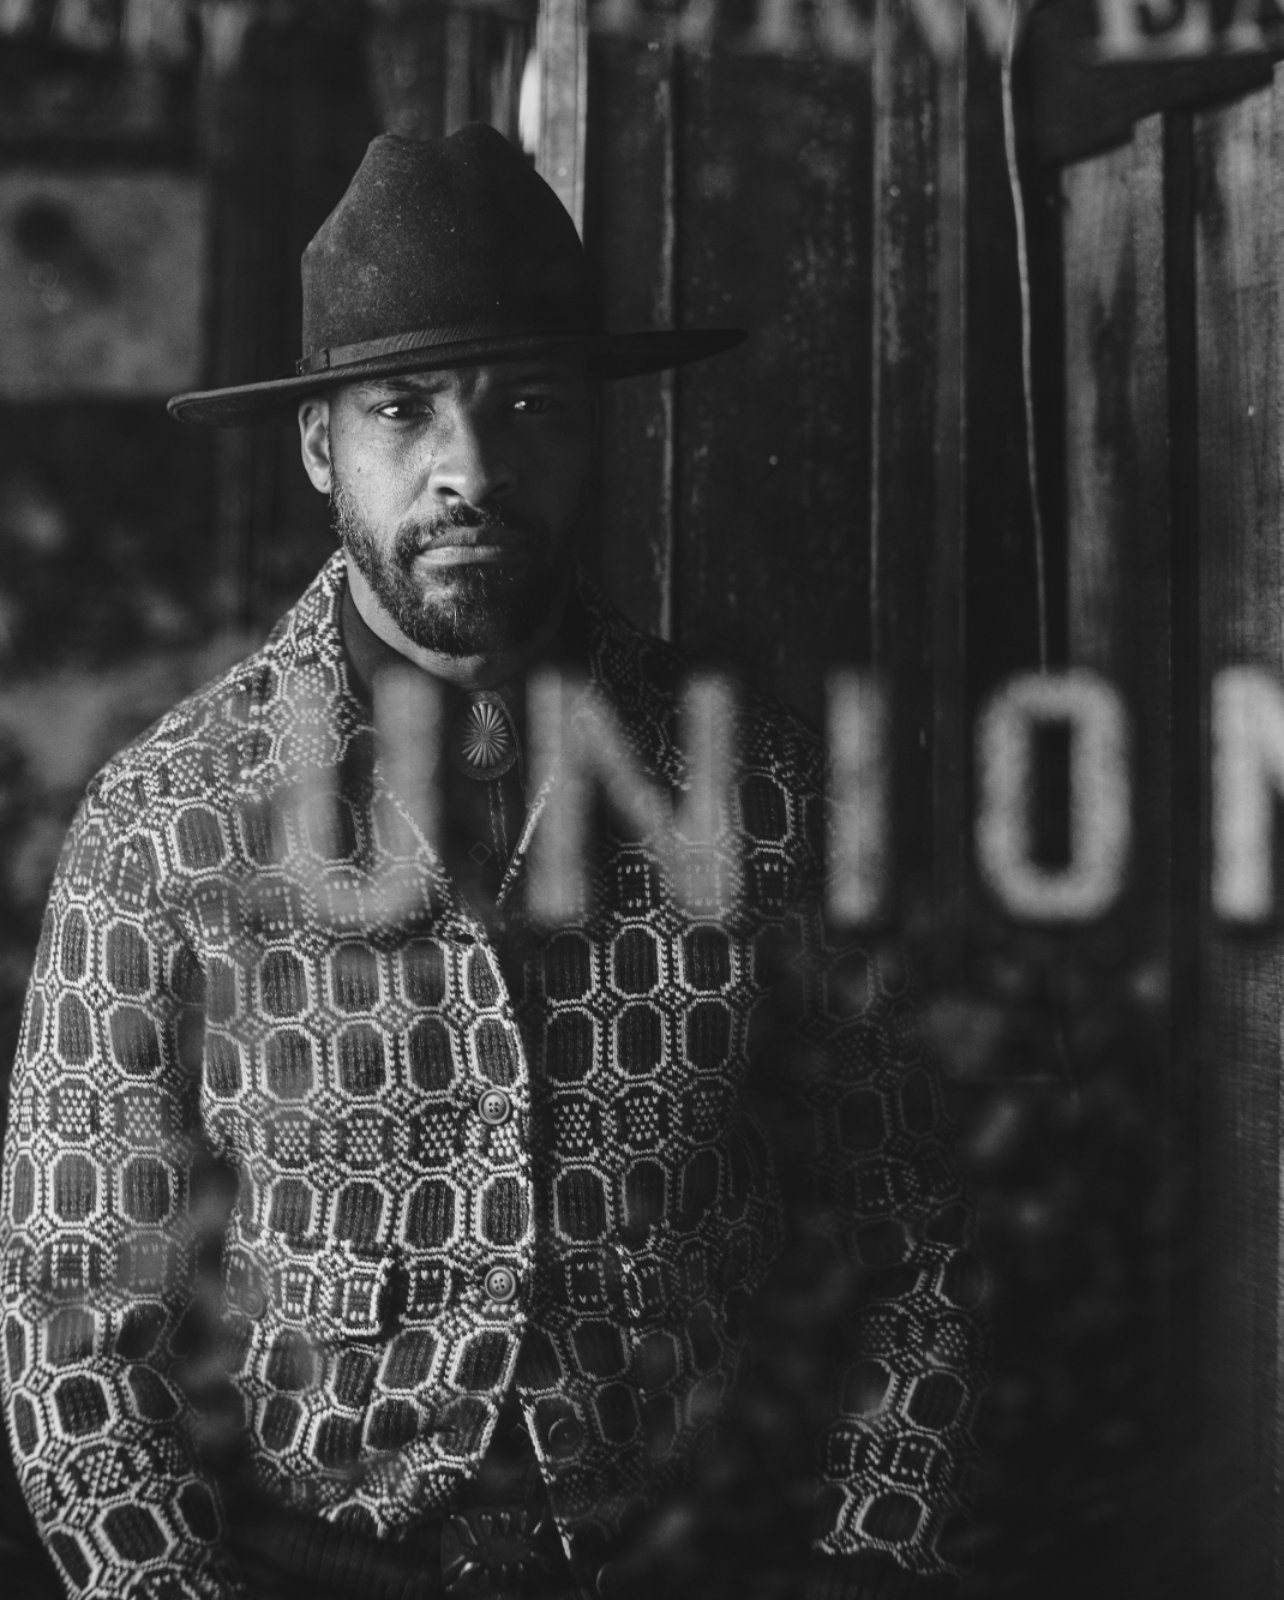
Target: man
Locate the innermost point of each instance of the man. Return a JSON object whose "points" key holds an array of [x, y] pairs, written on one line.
{"points": [[495, 1287]]}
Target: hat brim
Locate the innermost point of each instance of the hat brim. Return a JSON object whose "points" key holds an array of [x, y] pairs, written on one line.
{"points": [[609, 356]]}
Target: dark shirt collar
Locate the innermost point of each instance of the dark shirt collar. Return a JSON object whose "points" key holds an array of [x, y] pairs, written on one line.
{"points": [[367, 653]]}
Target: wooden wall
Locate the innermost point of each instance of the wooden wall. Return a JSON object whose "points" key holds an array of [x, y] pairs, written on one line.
{"points": [[1173, 323], [852, 485], [803, 501]]}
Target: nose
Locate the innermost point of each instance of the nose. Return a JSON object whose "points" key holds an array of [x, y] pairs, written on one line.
{"points": [[470, 464]]}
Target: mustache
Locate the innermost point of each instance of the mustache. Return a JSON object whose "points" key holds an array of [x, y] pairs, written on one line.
{"points": [[507, 527]]}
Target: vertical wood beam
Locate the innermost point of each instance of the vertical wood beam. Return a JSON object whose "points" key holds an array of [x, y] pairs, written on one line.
{"points": [[773, 458], [561, 43], [631, 234], [1117, 470], [1122, 581], [1241, 579], [1185, 822], [950, 765], [906, 520], [245, 156]]}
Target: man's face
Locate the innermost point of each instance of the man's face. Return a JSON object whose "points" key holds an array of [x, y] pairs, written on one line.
{"points": [[456, 494]]}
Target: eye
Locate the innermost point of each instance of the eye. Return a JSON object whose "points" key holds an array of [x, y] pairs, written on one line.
{"points": [[533, 404], [404, 410]]}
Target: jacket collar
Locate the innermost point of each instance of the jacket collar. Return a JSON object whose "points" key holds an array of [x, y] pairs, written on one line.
{"points": [[638, 676]]}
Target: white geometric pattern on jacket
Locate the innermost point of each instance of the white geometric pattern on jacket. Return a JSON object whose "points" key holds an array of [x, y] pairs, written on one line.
{"points": [[339, 1064]]}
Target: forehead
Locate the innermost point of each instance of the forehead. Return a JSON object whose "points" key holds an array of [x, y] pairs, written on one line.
{"points": [[466, 382]]}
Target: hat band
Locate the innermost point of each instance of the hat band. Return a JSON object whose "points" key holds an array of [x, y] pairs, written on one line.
{"points": [[343, 355]]}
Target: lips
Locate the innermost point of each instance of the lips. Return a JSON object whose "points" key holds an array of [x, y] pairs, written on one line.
{"points": [[493, 535], [458, 555], [443, 544], [494, 543]]}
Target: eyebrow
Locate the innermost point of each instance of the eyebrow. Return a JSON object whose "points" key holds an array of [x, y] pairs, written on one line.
{"points": [[434, 383], [429, 384]]}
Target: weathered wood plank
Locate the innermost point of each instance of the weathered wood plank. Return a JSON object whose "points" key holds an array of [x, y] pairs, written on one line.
{"points": [[1237, 239], [630, 234], [1122, 576], [774, 205], [948, 617], [1101, 424], [1117, 474], [561, 44], [245, 159], [1185, 824], [293, 134], [1001, 569], [904, 513]]}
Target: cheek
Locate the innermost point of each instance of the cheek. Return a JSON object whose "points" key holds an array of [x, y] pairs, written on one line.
{"points": [[380, 483]]}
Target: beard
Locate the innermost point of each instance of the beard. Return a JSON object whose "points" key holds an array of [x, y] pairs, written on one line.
{"points": [[472, 609]]}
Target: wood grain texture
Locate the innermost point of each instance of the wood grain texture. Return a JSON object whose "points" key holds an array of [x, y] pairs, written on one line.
{"points": [[630, 233], [1101, 443], [321, 125], [772, 475], [562, 44], [245, 160], [1002, 598], [1237, 242], [1117, 475], [1124, 575], [905, 517], [950, 737], [1185, 821]]}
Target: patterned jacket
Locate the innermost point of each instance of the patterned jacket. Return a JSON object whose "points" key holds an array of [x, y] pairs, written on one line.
{"points": [[664, 1116]]}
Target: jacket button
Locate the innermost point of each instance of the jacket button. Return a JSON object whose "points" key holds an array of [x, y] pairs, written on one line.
{"points": [[495, 1107], [254, 1304], [501, 1285], [563, 1436], [607, 1582]]}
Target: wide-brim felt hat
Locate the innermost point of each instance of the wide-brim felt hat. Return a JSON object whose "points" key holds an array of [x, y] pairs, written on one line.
{"points": [[446, 253]]}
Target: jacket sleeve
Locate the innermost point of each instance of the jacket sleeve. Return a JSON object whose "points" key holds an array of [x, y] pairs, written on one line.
{"points": [[98, 1237], [875, 1205]]}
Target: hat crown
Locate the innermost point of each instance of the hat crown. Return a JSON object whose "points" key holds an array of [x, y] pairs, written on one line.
{"points": [[447, 253], [452, 233]]}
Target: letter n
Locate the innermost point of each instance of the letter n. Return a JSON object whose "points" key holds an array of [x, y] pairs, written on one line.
{"points": [[579, 748]]}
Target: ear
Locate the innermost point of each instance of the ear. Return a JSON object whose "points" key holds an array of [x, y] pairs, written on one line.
{"points": [[314, 441]]}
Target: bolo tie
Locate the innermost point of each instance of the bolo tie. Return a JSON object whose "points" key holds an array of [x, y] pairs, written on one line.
{"points": [[486, 801], [486, 805]]}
